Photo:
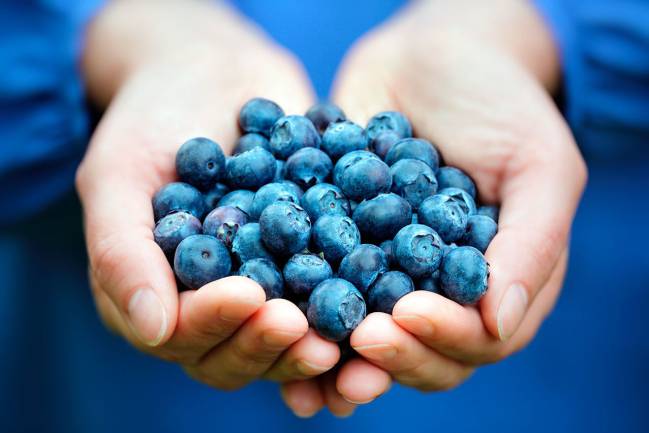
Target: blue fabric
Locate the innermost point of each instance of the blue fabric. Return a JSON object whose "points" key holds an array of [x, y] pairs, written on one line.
{"points": [[60, 371]]}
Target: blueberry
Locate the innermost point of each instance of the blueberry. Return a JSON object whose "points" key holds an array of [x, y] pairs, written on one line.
{"points": [[414, 148], [383, 142], [285, 228], [418, 250], [453, 177], [250, 141], [413, 180], [173, 228], [247, 244], [266, 274], [389, 121], [269, 194], [387, 290], [292, 133], [415, 218], [214, 195], [361, 175], [223, 223], [251, 169], [353, 204], [444, 215], [200, 162], [303, 272], [308, 166], [430, 284], [241, 199], [201, 259], [462, 197], [480, 230], [292, 186], [325, 199], [177, 197], [335, 236], [279, 170], [382, 217], [363, 266], [388, 249], [343, 137], [463, 275], [490, 211], [324, 113], [259, 115], [303, 305], [335, 309]]}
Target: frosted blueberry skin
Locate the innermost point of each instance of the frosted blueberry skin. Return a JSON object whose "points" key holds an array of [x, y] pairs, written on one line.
{"points": [[382, 217], [214, 195], [430, 284], [285, 228], [251, 170], [303, 272], [444, 215], [292, 133], [259, 115], [279, 170], [200, 162], [413, 180], [343, 137], [178, 197], [247, 244], [453, 177], [308, 167], [462, 197], [480, 230], [388, 249], [325, 199], [418, 250], [463, 275], [389, 121], [363, 266], [250, 141], [265, 273], [383, 142], [323, 114], [269, 194], [335, 309], [241, 199], [361, 176], [414, 148], [201, 259], [335, 236], [173, 228], [415, 218], [223, 223], [492, 212], [387, 290]]}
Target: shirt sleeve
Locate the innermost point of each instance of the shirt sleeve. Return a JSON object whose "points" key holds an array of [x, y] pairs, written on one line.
{"points": [[604, 49]]}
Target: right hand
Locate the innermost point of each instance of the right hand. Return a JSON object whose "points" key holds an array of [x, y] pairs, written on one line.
{"points": [[186, 76]]}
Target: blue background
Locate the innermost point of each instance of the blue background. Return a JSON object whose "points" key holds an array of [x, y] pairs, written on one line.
{"points": [[587, 370]]}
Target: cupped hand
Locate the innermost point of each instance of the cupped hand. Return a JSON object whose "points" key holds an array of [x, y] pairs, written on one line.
{"points": [[469, 83], [185, 76]]}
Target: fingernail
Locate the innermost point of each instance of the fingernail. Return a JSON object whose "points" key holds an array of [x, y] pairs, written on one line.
{"points": [[240, 311], [310, 369], [304, 414], [279, 339], [511, 311], [359, 402], [416, 324], [377, 352], [147, 317]]}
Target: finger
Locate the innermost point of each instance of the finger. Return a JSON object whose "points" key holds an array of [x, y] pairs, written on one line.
{"points": [[336, 403], [252, 350], [380, 340], [211, 314], [312, 355], [360, 382], [459, 332], [303, 397]]}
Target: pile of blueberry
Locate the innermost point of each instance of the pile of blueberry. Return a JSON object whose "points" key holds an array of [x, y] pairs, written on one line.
{"points": [[340, 219]]}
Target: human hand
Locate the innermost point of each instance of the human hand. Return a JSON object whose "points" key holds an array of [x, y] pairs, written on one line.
{"points": [[185, 76], [469, 82]]}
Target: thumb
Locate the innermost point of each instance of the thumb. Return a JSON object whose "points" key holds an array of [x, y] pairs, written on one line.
{"points": [[125, 261]]}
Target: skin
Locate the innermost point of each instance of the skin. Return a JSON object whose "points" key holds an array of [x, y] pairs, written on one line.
{"points": [[469, 83], [183, 78]]}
